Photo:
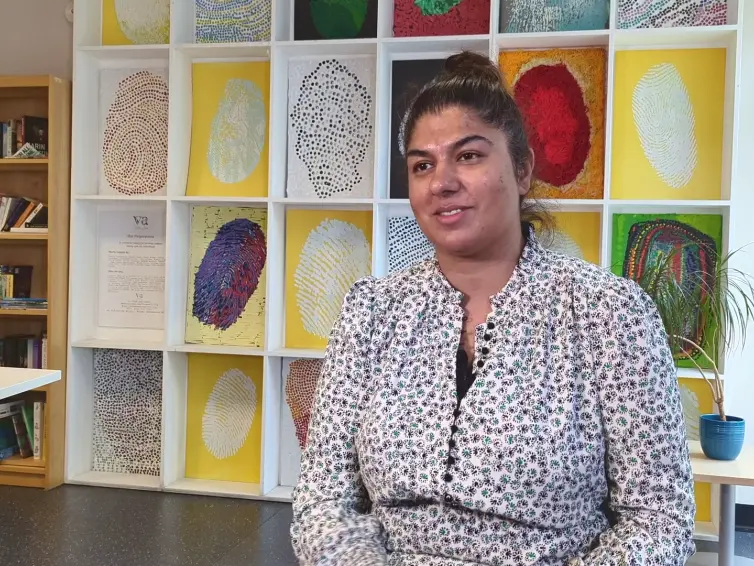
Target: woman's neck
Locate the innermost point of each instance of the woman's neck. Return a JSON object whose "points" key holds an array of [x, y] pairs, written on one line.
{"points": [[483, 275]]}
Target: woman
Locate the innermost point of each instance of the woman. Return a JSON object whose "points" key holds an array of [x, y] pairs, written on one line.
{"points": [[501, 403]]}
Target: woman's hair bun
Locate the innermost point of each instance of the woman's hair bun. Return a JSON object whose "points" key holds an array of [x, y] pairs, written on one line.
{"points": [[474, 66]]}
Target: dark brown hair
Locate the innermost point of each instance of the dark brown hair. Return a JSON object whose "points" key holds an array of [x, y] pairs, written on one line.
{"points": [[473, 81]]}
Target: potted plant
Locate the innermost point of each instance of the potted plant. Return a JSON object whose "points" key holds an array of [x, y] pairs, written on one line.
{"points": [[704, 312]]}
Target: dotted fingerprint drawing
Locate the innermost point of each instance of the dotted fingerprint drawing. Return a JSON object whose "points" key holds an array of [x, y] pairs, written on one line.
{"points": [[565, 244], [334, 256], [691, 412], [238, 132], [144, 21], [671, 13], [330, 128], [229, 414], [135, 132], [406, 243], [127, 411], [229, 273], [232, 21], [300, 387], [664, 119]]}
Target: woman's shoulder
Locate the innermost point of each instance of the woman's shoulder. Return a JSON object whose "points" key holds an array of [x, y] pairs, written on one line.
{"points": [[592, 282], [388, 288]]}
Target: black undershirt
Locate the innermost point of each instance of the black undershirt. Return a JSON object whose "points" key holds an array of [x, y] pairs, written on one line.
{"points": [[464, 374]]}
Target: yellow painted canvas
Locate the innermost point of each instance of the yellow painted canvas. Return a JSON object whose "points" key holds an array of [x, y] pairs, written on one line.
{"points": [[229, 129], [576, 234], [326, 251], [227, 276], [224, 417], [135, 22], [696, 398], [668, 124]]}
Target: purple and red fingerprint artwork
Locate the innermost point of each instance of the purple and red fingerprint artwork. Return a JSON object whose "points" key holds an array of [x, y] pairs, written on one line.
{"points": [[229, 273]]}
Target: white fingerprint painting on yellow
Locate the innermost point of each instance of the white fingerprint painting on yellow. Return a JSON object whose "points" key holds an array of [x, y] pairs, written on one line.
{"points": [[229, 414], [334, 256], [691, 411], [144, 21], [664, 118]]}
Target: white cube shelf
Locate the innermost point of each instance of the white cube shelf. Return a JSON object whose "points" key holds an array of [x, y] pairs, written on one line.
{"points": [[278, 466]]}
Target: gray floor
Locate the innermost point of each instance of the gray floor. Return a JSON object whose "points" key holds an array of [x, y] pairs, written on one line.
{"points": [[87, 526]]}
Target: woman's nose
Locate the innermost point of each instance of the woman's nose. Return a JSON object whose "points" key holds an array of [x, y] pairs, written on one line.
{"points": [[444, 179]]}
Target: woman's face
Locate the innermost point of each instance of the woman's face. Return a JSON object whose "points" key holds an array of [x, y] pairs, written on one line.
{"points": [[462, 183]]}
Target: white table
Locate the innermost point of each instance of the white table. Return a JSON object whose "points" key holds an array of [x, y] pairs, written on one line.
{"points": [[19, 380], [728, 475]]}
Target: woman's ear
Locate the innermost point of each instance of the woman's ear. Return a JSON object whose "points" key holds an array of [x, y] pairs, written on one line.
{"points": [[525, 175]]}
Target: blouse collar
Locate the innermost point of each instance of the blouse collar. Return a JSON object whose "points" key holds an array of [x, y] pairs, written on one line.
{"points": [[529, 264]]}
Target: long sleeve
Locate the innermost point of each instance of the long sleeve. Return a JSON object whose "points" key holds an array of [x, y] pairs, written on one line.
{"points": [[332, 524], [651, 492]]}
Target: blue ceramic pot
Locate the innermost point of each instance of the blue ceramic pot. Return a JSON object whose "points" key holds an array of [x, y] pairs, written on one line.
{"points": [[721, 440]]}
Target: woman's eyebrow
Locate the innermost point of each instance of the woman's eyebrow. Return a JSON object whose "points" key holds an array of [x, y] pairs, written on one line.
{"points": [[455, 146]]}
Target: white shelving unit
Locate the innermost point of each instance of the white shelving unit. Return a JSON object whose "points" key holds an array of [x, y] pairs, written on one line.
{"points": [[279, 458]]}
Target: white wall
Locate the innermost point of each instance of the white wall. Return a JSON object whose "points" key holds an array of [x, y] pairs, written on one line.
{"points": [[36, 38]]}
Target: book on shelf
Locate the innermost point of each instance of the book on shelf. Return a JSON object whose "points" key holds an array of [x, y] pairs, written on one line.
{"points": [[25, 137], [23, 351], [15, 282], [21, 429], [21, 214]]}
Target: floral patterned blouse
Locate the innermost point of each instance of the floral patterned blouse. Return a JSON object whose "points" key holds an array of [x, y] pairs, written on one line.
{"points": [[568, 448]]}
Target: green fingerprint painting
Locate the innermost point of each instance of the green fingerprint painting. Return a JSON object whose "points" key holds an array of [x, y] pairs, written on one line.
{"points": [[436, 7], [335, 19]]}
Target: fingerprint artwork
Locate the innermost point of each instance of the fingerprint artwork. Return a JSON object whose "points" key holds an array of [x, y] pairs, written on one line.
{"points": [[671, 13], [127, 411], [668, 124], [334, 19], [238, 132], [331, 127], [691, 413], [223, 417], [326, 252], [576, 234], [561, 94], [300, 387], [640, 239], [138, 22], [134, 126], [413, 18], [229, 151], [525, 16], [408, 77], [228, 255], [232, 21], [664, 118], [229, 414], [406, 243]]}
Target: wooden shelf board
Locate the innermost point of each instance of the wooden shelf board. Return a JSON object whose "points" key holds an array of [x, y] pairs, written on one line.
{"points": [[16, 236], [16, 163], [20, 465], [23, 312], [24, 81]]}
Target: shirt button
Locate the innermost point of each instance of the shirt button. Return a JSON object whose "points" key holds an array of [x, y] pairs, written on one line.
{"points": [[485, 350], [488, 337], [491, 325], [448, 478], [451, 460], [448, 498], [480, 363], [453, 429], [457, 413], [452, 443]]}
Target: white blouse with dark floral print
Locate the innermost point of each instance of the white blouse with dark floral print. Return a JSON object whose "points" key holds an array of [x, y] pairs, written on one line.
{"points": [[569, 447]]}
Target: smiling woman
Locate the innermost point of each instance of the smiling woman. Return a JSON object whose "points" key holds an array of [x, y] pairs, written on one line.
{"points": [[500, 402]]}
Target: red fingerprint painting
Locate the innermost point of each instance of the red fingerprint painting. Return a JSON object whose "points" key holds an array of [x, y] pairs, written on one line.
{"points": [[561, 94], [299, 394], [413, 18]]}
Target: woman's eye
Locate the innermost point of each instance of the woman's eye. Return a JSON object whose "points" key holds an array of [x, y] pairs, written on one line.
{"points": [[468, 155], [421, 166]]}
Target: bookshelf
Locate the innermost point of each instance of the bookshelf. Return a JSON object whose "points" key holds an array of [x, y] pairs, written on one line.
{"points": [[273, 468], [46, 180]]}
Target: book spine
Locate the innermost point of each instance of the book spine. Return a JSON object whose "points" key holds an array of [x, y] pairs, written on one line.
{"points": [[22, 436], [38, 428]]}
